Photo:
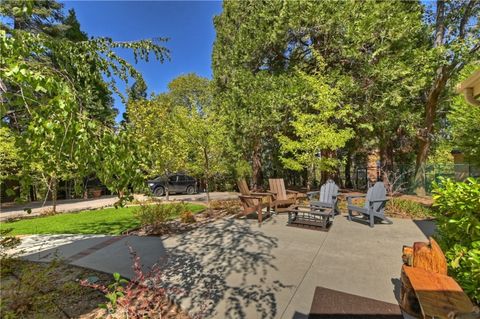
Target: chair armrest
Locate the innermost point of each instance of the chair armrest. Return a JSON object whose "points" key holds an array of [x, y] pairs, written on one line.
{"points": [[379, 200], [261, 194], [349, 198], [250, 197], [273, 195], [355, 196]]}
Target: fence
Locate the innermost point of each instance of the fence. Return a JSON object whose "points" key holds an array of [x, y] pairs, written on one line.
{"points": [[403, 176]]}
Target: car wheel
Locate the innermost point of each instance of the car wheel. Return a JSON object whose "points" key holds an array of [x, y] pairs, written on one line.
{"points": [[190, 190], [159, 191]]}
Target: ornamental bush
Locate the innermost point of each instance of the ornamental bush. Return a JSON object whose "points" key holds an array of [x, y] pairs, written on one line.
{"points": [[407, 208], [157, 214], [458, 225]]}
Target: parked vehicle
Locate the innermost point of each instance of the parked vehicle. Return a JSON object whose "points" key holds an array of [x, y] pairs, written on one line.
{"points": [[176, 183]]}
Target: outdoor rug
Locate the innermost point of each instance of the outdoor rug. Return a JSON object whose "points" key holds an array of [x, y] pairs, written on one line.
{"points": [[328, 303]]}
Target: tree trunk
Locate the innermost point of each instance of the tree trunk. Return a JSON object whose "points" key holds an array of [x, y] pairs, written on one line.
{"points": [[257, 164], [425, 133], [206, 175], [348, 168], [310, 176], [167, 193], [33, 195], [386, 158], [53, 185]]}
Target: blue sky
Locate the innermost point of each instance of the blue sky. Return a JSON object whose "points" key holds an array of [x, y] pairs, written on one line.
{"points": [[188, 24]]}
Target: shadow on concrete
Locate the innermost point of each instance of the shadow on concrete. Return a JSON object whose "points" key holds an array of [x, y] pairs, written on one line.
{"points": [[299, 315], [397, 285], [427, 226], [216, 263]]}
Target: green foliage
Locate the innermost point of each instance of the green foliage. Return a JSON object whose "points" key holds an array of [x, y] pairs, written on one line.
{"points": [[74, 33], [153, 126], [465, 124], [115, 290], [157, 214], [407, 208], [458, 224], [9, 154], [58, 104], [375, 60], [318, 125], [202, 128]]}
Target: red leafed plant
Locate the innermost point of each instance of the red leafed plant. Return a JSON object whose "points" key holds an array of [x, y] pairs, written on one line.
{"points": [[141, 297]]}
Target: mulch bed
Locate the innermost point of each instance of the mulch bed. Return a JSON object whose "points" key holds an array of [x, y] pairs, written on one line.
{"points": [[177, 227], [46, 290], [40, 290]]}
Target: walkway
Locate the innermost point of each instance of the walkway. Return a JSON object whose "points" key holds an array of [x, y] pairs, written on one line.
{"points": [[239, 270]]}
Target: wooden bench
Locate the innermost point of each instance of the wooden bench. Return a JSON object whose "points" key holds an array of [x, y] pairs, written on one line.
{"points": [[427, 291]]}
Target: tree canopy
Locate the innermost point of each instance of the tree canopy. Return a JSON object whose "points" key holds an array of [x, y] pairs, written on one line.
{"points": [[301, 89]]}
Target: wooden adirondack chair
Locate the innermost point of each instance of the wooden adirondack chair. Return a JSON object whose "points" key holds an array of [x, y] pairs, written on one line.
{"points": [[253, 201], [327, 197], [283, 199], [374, 207]]}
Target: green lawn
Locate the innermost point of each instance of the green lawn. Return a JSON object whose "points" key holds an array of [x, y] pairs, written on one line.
{"points": [[108, 221]]}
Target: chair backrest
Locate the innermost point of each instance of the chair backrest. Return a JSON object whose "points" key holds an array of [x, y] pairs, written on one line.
{"points": [[243, 187], [277, 185], [376, 192], [328, 191]]}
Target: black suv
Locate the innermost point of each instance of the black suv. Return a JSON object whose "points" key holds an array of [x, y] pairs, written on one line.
{"points": [[177, 183]]}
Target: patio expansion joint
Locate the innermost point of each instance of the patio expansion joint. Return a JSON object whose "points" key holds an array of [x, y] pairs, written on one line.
{"points": [[94, 249], [305, 275]]}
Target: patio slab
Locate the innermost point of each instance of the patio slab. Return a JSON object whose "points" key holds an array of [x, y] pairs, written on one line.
{"points": [[236, 269]]}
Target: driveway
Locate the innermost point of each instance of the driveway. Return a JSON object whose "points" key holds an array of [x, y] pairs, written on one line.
{"points": [[235, 269], [75, 205]]}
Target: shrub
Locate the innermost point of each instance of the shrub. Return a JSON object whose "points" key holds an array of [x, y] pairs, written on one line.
{"points": [[187, 217], [141, 297], [459, 230], [407, 208], [157, 214]]}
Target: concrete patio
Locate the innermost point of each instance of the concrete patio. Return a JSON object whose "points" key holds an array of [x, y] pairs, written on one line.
{"points": [[236, 269]]}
